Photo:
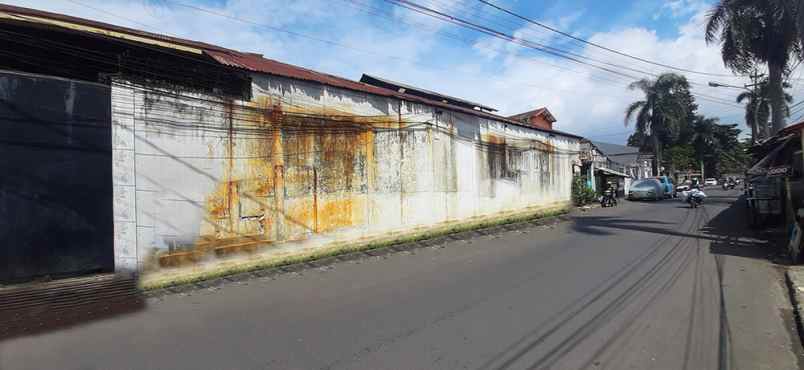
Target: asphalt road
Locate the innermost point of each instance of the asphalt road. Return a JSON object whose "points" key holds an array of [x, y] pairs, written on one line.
{"points": [[641, 286]]}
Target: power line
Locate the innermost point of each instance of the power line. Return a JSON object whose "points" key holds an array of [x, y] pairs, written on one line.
{"points": [[577, 58], [277, 29], [719, 100], [148, 26], [555, 30], [201, 9]]}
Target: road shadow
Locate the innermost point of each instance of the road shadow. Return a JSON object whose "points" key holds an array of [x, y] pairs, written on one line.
{"points": [[609, 225], [37, 308], [723, 220], [731, 235]]}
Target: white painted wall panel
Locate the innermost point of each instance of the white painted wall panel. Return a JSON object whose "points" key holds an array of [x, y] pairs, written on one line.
{"points": [[195, 174]]}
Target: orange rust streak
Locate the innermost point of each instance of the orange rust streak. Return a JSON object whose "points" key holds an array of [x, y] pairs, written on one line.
{"points": [[338, 213], [290, 184]]}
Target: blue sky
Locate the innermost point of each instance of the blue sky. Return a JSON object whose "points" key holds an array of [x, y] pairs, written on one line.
{"points": [[350, 37]]}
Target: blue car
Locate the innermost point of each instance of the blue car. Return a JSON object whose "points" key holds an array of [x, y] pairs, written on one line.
{"points": [[667, 185]]}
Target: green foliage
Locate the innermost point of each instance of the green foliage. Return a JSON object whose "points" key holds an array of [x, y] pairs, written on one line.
{"points": [[735, 159], [754, 34], [682, 157], [661, 117], [581, 193], [757, 107], [715, 144]]}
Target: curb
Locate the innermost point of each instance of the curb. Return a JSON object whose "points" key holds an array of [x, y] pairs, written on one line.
{"points": [[795, 289], [325, 262]]}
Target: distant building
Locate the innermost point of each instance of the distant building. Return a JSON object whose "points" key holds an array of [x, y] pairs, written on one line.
{"points": [[628, 158], [541, 118]]}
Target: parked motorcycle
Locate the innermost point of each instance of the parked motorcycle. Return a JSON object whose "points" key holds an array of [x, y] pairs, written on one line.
{"points": [[608, 199], [728, 185]]}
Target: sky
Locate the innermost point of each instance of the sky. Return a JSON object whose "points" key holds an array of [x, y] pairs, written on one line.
{"points": [[351, 37]]}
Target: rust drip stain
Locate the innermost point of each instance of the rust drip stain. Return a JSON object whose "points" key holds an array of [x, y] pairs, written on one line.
{"points": [[490, 138], [299, 176]]}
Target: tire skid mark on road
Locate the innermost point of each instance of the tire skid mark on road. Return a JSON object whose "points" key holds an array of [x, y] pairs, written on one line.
{"points": [[698, 312], [578, 305], [396, 337], [676, 260], [623, 341], [526, 343], [695, 310], [625, 327], [725, 355]]}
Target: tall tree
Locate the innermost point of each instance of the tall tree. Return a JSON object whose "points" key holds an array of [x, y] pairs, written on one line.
{"points": [[714, 143], [753, 32], [662, 112], [757, 99]]}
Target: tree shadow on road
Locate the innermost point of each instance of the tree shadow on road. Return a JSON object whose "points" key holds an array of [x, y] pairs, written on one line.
{"points": [[726, 228], [609, 225], [733, 236]]}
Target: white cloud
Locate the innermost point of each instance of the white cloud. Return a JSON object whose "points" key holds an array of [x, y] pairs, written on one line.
{"points": [[681, 8], [586, 104]]}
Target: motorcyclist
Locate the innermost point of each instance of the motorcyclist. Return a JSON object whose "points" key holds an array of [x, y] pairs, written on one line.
{"points": [[609, 198], [694, 192]]}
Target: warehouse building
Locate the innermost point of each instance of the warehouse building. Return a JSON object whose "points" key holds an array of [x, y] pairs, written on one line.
{"points": [[130, 151]]}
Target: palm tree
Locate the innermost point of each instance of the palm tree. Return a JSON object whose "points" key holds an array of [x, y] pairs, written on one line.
{"points": [[751, 114], [703, 137], [757, 99], [755, 32], [713, 142], [662, 112]]}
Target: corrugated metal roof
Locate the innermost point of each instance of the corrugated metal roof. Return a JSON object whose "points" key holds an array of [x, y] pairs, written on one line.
{"points": [[257, 63], [793, 128], [615, 149], [413, 90], [106, 26]]}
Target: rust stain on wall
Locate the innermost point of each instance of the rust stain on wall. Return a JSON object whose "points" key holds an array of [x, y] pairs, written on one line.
{"points": [[289, 176]]}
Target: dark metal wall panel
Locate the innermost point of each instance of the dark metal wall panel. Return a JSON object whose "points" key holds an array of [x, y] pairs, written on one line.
{"points": [[55, 177]]}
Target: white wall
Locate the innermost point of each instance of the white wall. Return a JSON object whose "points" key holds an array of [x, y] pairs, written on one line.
{"points": [[300, 160]]}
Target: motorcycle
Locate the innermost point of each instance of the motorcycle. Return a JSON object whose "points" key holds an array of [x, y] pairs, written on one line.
{"points": [[608, 199], [728, 185], [695, 198]]}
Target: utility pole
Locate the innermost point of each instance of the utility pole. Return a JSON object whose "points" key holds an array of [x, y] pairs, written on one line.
{"points": [[756, 100]]}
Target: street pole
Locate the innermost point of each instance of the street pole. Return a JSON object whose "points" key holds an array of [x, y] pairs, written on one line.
{"points": [[703, 178], [755, 98]]}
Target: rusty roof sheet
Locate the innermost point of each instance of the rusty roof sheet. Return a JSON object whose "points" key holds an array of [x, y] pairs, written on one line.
{"points": [[257, 63], [793, 128], [16, 10], [413, 90]]}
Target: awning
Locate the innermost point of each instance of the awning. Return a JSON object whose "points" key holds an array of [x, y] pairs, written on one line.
{"points": [[772, 160], [609, 171]]}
